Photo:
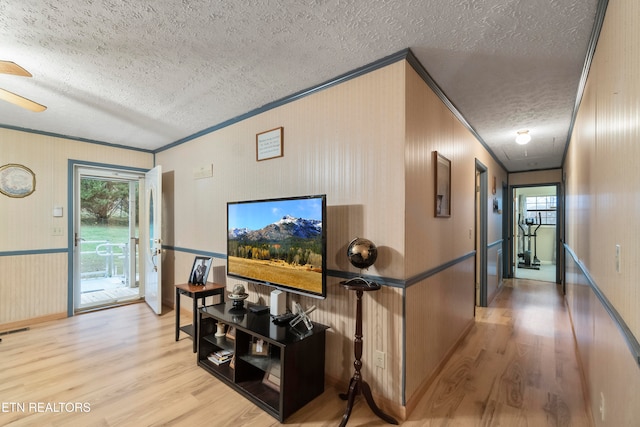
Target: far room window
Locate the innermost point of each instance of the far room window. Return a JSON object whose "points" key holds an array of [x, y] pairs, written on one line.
{"points": [[545, 205]]}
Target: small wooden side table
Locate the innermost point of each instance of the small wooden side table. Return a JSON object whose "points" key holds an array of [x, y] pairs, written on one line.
{"points": [[195, 292]]}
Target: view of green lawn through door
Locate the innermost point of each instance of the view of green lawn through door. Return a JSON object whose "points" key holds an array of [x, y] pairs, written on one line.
{"points": [[106, 240]]}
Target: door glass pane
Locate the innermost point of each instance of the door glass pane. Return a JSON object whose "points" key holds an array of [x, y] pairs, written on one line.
{"points": [[151, 235], [105, 239]]}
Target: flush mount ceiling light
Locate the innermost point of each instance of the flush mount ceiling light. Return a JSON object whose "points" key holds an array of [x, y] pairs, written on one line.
{"points": [[523, 137]]}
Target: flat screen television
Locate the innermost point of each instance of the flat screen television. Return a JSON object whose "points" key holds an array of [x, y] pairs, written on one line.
{"points": [[280, 243]]}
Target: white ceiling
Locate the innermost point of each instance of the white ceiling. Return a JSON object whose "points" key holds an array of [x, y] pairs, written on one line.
{"points": [[146, 74]]}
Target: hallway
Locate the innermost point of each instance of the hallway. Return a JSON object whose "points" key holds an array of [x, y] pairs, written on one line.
{"points": [[516, 367]]}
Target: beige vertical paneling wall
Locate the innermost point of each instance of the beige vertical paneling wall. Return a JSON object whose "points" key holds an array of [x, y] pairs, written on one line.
{"points": [[347, 142], [448, 297], [33, 284], [603, 190], [367, 143]]}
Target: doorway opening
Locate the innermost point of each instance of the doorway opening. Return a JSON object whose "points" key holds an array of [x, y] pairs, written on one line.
{"points": [[535, 230], [481, 205], [106, 231]]}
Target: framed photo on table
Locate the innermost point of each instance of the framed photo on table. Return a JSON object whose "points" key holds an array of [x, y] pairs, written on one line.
{"points": [[259, 348], [272, 375], [200, 270], [231, 333]]}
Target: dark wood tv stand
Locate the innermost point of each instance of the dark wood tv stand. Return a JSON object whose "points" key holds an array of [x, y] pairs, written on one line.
{"points": [[278, 368]]}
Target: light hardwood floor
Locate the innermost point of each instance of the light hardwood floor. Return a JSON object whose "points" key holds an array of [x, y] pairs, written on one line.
{"points": [[122, 367]]}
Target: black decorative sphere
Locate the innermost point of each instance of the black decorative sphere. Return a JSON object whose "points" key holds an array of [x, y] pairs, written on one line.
{"points": [[362, 253]]}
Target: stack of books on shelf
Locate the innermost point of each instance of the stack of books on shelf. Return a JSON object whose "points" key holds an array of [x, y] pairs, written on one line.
{"points": [[220, 357]]}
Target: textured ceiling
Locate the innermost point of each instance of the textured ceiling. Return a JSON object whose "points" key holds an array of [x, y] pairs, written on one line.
{"points": [[147, 74]]}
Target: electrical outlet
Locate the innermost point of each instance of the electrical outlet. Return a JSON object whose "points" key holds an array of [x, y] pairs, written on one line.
{"points": [[602, 408], [56, 231], [380, 359]]}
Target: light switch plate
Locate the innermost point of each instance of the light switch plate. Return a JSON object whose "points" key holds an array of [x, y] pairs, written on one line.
{"points": [[203, 172]]}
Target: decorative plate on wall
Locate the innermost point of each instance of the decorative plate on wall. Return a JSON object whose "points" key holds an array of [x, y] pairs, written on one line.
{"points": [[17, 180]]}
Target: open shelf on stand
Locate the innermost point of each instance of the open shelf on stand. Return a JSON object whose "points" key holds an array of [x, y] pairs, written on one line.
{"points": [[279, 368]]}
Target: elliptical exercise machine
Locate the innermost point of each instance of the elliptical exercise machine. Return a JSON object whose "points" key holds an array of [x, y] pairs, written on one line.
{"points": [[527, 235]]}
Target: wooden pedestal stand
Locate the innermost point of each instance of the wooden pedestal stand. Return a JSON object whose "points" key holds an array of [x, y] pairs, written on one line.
{"points": [[357, 385]]}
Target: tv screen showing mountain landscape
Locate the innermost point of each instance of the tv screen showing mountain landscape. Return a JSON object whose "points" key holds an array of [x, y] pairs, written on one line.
{"points": [[278, 242]]}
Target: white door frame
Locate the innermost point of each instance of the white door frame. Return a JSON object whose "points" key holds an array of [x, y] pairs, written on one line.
{"points": [[77, 169], [482, 194]]}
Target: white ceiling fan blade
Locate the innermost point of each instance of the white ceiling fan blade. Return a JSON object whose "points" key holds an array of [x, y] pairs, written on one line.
{"points": [[21, 101], [8, 67]]}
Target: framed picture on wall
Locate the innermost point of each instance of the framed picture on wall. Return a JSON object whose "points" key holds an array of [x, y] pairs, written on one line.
{"points": [[269, 144], [200, 270], [17, 180], [442, 185]]}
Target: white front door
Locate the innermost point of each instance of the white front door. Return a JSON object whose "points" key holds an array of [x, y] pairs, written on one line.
{"points": [[152, 240]]}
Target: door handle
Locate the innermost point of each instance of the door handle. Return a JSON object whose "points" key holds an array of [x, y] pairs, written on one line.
{"points": [[77, 239]]}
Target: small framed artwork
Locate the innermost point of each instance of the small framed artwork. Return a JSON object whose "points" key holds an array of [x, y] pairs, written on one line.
{"points": [[17, 180], [231, 333], [272, 375], [259, 348], [200, 270], [442, 186], [269, 144]]}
